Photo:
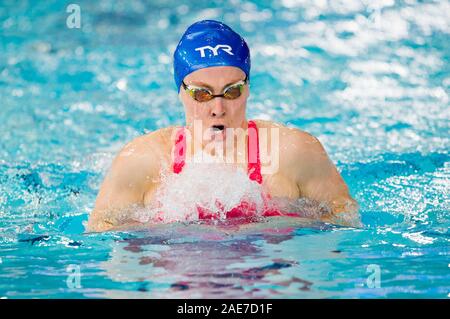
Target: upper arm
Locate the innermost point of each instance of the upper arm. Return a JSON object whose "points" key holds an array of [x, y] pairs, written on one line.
{"points": [[131, 174], [318, 178]]}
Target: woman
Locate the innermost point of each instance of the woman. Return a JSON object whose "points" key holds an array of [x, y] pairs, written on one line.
{"points": [[212, 75]]}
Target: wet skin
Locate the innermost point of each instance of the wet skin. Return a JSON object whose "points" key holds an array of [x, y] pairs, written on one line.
{"points": [[304, 168]]}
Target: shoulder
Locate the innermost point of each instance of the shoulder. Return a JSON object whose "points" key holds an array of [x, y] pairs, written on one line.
{"points": [[145, 153], [292, 139], [152, 143], [299, 152]]}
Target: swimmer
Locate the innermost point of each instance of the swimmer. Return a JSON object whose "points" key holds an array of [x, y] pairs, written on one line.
{"points": [[212, 76]]}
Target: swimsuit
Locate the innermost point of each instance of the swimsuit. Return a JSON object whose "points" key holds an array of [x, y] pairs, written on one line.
{"points": [[244, 209]]}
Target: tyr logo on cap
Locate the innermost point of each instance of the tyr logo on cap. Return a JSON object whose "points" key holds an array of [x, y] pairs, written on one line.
{"points": [[225, 47]]}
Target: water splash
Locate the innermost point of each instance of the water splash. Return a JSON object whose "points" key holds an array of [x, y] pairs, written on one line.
{"points": [[216, 187]]}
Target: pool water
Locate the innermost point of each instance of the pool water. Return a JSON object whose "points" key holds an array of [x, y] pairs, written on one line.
{"points": [[370, 79]]}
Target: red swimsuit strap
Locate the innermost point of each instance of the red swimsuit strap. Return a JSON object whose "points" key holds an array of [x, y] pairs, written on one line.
{"points": [[254, 162], [179, 151]]}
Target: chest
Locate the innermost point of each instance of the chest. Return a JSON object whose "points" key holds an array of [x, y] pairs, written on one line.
{"points": [[210, 186]]}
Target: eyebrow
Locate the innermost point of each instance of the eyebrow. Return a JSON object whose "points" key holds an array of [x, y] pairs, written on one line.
{"points": [[209, 87]]}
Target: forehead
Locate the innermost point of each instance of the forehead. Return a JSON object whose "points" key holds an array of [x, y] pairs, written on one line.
{"points": [[215, 76]]}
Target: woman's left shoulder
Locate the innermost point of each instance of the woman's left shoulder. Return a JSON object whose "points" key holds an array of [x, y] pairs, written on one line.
{"points": [[289, 133]]}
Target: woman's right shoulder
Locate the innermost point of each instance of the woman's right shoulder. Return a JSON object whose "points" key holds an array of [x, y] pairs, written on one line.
{"points": [[157, 140], [151, 147]]}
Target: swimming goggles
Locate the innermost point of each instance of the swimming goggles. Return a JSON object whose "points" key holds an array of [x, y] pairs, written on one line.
{"points": [[231, 92]]}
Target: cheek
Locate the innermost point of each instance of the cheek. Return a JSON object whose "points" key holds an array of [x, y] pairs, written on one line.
{"points": [[189, 104], [194, 110], [237, 109], [189, 109], [241, 103]]}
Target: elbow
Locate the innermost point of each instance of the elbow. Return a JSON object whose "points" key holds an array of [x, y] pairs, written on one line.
{"points": [[97, 225], [345, 212], [344, 205]]}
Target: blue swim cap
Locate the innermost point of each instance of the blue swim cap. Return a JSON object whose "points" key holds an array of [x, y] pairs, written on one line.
{"points": [[209, 43]]}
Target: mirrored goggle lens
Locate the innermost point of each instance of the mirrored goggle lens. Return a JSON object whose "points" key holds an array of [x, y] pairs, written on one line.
{"points": [[201, 95], [233, 92]]}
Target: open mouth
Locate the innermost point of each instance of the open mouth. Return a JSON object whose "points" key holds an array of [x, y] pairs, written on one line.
{"points": [[217, 128]]}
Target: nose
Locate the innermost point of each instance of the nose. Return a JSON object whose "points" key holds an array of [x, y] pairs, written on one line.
{"points": [[218, 109]]}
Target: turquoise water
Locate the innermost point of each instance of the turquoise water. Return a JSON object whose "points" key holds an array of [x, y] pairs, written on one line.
{"points": [[371, 81]]}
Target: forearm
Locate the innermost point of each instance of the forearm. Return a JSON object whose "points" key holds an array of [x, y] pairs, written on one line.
{"points": [[105, 226], [344, 205], [344, 211], [112, 218]]}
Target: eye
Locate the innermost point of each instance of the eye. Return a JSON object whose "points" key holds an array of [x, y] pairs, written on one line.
{"points": [[233, 92], [202, 95]]}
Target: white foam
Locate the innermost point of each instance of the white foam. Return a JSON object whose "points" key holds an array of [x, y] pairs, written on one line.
{"points": [[217, 187]]}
